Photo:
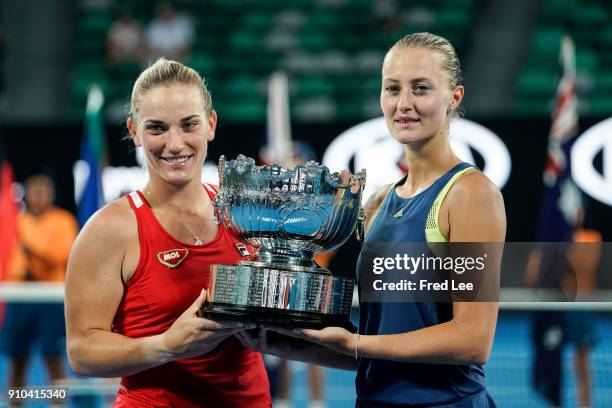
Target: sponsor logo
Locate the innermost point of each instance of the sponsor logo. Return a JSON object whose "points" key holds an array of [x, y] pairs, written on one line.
{"points": [[366, 143], [173, 257], [242, 249], [595, 141]]}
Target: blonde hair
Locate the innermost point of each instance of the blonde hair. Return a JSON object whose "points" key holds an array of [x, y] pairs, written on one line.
{"points": [[436, 43], [165, 73], [442, 46]]}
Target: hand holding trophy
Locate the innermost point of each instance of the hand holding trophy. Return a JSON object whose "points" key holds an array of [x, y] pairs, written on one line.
{"points": [[289, 215]]}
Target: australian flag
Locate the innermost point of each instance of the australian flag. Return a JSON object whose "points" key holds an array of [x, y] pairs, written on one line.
{"points": [[559, 214]]}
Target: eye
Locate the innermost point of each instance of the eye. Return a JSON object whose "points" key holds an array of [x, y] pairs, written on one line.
{"points": [[393, 89], [190, 125], [155, 128], [420, 89]]}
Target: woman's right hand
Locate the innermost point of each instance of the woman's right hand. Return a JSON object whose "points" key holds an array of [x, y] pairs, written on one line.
{"points": [[191, 335]]}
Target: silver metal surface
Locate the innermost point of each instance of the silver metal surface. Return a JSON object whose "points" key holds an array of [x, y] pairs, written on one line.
{"points": [[245, 285], [289, 214]]}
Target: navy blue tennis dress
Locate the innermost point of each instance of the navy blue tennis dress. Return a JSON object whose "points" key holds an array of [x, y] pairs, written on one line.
{"points": [[385, 383]]}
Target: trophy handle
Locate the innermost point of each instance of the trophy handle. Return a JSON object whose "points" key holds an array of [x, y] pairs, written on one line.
{"points": [[360, 227], [221, 169]]}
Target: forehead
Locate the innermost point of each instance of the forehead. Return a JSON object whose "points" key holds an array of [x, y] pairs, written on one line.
{"points": [[411, 63], [38, 183], [164, 101]]}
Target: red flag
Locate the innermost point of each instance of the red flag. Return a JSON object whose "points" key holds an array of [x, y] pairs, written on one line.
{"points": [[8, 219], [8, 223]]}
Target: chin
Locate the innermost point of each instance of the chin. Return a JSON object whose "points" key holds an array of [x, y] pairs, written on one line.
{"points": [[176, 178], [408, 137]]}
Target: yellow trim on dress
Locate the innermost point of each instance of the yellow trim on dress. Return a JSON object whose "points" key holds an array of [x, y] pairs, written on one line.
{"points": [[432, 224]]}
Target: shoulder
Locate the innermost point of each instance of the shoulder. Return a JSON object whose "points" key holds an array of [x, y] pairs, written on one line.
{"points": [[476, 210], [111, 224], [476, 188]]}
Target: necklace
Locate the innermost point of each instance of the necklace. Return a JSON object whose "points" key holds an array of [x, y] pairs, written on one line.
{"points": [[196, 238]]}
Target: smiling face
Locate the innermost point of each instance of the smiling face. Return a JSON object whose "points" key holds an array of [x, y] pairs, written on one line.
{"points": [[416, 96], [174, 128]]}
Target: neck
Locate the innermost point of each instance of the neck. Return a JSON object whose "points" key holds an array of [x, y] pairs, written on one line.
{"points": [[426, 162], [187, 197]]}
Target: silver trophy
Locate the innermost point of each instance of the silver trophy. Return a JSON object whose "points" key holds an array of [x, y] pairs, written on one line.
{"points": [[289, 215]]}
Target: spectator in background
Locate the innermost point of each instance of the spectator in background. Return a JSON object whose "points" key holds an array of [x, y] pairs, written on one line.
{"points": [[125, 41], [170, 35], [45, 234], [572, 269], [584, 256], [386, 15]]}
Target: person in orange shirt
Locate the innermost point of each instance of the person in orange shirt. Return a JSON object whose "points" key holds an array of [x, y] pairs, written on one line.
{"points": [[584, 257], [45, 235]]}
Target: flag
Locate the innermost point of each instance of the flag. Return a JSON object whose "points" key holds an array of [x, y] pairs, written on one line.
{"points": [[88, 177], [8, 216], [279, 147], [559, 211], [8, 221], [561, 200]]}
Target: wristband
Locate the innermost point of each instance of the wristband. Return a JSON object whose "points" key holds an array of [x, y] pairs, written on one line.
{"points": [[356, 345]]}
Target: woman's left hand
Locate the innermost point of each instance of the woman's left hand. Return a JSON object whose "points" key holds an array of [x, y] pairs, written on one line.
{"points": [[336, 338]]}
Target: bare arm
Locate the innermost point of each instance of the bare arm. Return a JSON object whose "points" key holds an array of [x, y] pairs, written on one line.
{"points": [[94, 290], [476, 214]]}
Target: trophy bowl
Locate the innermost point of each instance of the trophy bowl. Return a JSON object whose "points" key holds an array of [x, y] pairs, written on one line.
{"points": [[288, 215]]}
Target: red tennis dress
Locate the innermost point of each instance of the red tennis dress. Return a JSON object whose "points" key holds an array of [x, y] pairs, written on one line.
{"points": [[167, 280]]}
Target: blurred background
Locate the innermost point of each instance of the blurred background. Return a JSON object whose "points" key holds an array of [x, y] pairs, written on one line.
{"points": [[53, 53]]}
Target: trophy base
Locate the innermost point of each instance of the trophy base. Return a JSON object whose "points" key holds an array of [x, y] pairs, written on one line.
{"points": [[291, 297], [273, 317]]}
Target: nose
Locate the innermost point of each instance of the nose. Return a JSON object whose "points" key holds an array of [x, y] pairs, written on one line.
{"points": [[405, 101], [175, 142]]}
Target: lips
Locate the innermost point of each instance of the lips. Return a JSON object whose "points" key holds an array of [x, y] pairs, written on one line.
{"points": [[406, 121], [176, 161]]}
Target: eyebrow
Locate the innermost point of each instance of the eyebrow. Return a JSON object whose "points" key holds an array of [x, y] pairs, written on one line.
{"points": [[412, 81], [154, 122], [161, 122], [190, 117]]}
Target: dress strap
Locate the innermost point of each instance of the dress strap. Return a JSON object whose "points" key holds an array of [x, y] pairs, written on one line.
{"points": [[432, 225], [212, 190], [135, 200]]}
